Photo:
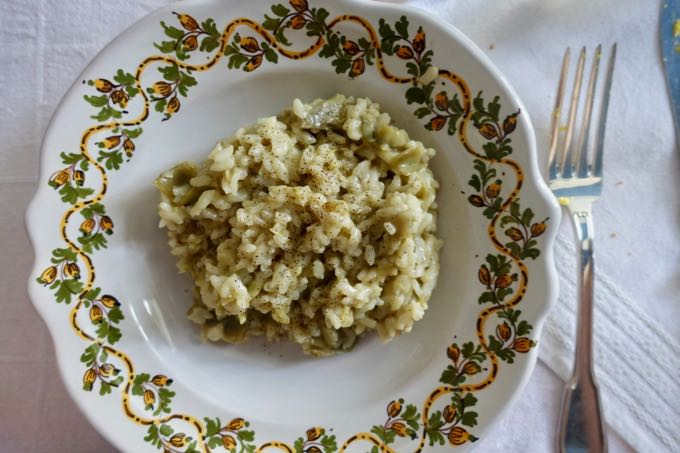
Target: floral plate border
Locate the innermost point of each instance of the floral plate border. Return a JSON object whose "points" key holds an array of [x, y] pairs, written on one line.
{"points": [[246, 44]]}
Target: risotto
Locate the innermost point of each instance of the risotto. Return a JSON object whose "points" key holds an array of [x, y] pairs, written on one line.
{"points": [[316, 226]]}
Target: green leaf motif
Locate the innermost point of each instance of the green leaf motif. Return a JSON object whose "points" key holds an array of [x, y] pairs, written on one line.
{"points": [[71, 194], [208, 44], [165, 395], [97, 101], [166, 46], [383, 434], [75, 159], [61, 255], [246, 435], [402, 27], [166, 430], [524, 328], [112, 159], [329, 444], [90, 355], [107, 331], [280, 10], [209, 26], [67, 289], [91, 242], [152, 436], [298, 445], [271, 56], [124, 78], [416, 95], [90, 210], [172, 32], [133, 133], [170, 73]]}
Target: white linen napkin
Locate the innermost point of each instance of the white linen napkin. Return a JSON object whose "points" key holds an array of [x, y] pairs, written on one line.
{"points": [[636, 247]]}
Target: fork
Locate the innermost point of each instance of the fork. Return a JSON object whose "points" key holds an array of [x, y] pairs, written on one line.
{"points": [[575, 177]]}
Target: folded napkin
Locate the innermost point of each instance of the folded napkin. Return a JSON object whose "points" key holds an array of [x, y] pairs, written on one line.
{"points": [[636, 246]]}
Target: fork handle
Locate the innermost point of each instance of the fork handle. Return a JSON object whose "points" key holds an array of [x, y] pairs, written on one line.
{"points": [[581, 422]]}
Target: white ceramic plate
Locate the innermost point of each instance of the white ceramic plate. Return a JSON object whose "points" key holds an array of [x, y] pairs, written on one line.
{"points": [[107, 287]]}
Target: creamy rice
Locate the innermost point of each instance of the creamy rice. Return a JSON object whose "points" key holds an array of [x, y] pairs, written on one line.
{"points": [[316, 225]]}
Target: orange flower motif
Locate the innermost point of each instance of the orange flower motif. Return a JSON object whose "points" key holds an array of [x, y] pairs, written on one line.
{"points": [[188, 22], [111, 142], [503, 281], [484, 275], [488, 131], [71, 270], [441, 101], [106, 370], [493, 189], [191, 43], [128, 146], [161, 380], [48, 275], [523, 344], [254, 63], [399, 428], [538, 229], [173, 106], [476, 200], [120, 97], [394, 408], [60, 178], [297, 22], [96, 314], [453, 352], [109, 301], [350, 47], [510, 123], [103, 85], [106, 224], [458, 436], [162, 89], [149, 398], [87, 226], [419, 40], [503, 331], [313, 434], [449, 413], [437, 123], [90, 376], [249, 44], [299, 5], [79, 177], [229, 442], [236, 424], [358, 67], [178, 440], [405, 52], [471, 368], [514, 233]]}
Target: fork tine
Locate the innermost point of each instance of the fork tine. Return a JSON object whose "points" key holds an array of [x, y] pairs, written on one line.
{"points": [[555, 126], [566, 164], [599, 139], [581, 157]]}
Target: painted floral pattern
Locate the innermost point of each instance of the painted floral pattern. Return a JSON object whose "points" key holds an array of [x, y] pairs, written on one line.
{"points": [[444, 104]]}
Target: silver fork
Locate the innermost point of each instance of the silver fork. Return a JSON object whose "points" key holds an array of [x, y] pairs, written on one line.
{"points": [[575, 177]]}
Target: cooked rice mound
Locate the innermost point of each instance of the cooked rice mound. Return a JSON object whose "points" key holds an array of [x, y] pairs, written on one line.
{"points": [[316, 225]]}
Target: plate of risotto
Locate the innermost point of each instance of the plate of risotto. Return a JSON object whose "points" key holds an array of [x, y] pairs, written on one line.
{"points": [[301, 225]]}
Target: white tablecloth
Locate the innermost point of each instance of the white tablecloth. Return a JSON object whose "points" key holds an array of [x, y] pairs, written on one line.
{"points": [[46, 43]]}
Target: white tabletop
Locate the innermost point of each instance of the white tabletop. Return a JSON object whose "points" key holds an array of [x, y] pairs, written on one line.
{"points": [[46, 43]]}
